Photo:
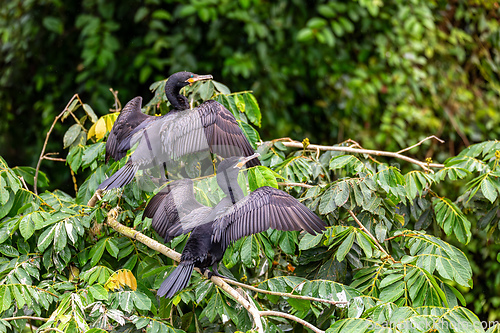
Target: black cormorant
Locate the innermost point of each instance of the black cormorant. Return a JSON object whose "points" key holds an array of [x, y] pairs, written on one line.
{"points": [[209, 127], [175, 211]]}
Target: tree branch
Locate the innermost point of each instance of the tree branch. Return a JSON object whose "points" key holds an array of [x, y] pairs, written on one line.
{"points": [[25, 317], [291, 317], [151, 243], [268, 292], [35, 185], [423, 165], [419, 143]]}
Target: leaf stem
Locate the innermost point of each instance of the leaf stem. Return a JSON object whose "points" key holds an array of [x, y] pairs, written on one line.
{"points": [[377, 244]]}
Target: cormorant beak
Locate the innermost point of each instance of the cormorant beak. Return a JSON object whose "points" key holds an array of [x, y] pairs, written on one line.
{"points": [[245, 160], [197, 78]]}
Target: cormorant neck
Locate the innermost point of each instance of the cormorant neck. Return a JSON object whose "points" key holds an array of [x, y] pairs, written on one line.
{"points": [[231, 188], [178, 101]]}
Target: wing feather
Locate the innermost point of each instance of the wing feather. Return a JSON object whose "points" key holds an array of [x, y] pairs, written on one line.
{"points": [[265, 208], [224, 135]]}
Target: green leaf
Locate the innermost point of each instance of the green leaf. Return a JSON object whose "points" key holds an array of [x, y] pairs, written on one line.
{"points": [[252, 109], [8, 250], [112, 247], [488, 189], [28, 174], [99, 292], [452, 220], [5, 298], [345, 247], [250, 132], [97, 251], [90, 113], [305, 34], [309, 241], [141, 301], [46, 238], [261, 176], [71, 134], [27, 226]]}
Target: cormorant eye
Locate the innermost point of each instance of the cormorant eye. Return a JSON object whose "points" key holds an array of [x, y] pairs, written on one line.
{"points": [[192, 75]]}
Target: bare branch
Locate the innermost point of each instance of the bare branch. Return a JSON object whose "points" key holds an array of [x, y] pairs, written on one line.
{"points": [[54, 158], [35, 185], [117, 104], [291, 317], [24, 183], [419, 143], [295, 184], [296, 144], [26, 317], [362, 227], [97, 196], [268, 292]]}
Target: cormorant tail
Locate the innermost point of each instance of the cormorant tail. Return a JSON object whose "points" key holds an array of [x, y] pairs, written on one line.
{"points": [[177, 280], [120, 178]]}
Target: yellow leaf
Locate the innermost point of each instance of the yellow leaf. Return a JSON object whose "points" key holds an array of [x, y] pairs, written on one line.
{"points": [[91, 132], [100, 128], [110, 120], [121, 278]]}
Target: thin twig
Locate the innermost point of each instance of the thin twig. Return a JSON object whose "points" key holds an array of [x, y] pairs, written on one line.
{"points": [[117, 104], [362, 227], [268, 292], [295, 184], [35, 185], [151, 243], [26, 317], [54, 158], [24, 183], [421, 141], [52, 329], [291, 317], [423, 165]]}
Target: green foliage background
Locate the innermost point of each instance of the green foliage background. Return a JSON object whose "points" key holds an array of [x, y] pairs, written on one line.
{"points": [[383, 73]]}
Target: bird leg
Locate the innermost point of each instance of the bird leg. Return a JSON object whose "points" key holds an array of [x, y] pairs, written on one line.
{"points": [[215, 272]]}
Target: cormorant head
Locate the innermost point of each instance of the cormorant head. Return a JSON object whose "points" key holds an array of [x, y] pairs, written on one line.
{"points": [[235, 163], [176, 82], [227, 175], [182, 79]]}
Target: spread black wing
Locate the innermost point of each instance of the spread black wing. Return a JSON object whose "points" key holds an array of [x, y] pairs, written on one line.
{"points": [[209, 127], [224, 136], [129, 119], [265, 208], [174, 210]]}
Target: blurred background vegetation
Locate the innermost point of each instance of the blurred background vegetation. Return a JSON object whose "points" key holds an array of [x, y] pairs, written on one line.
{"points": [[386, 73]]}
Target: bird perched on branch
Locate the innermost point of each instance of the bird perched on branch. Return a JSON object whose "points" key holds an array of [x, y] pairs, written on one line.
{"points": [[162, 140], [175, 211]]}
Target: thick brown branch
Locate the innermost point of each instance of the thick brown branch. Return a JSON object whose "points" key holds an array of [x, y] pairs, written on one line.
{"points": [[97, 196], [291, 317], [423, 165], [151, 243]]}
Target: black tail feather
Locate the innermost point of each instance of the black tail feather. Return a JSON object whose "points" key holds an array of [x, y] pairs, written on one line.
{"points": [[177, 280], [120, 178]]}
